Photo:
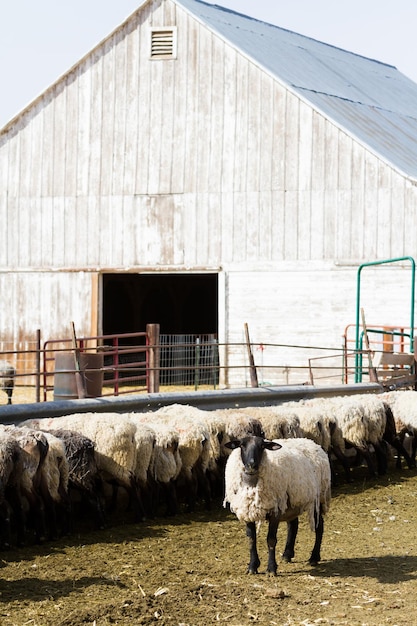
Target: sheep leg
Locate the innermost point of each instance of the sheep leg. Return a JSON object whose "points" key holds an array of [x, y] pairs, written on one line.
{"points": [[364, 450], [398, 444], [191, 490], [254, 561], [50, 508], [271, 541], [95, 504], [204, 486], [5, 526], [381, 457], [170, 490], [37, 511], [15, 500], [152, 496], [410, 459], [292, 530], [344, 462], [9, 391], [65, 514], [136, 500], [91, 498], [414, 449], [315, 555]]}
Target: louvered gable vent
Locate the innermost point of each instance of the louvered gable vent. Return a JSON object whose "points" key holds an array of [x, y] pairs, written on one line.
{"points": [[163, 43]]}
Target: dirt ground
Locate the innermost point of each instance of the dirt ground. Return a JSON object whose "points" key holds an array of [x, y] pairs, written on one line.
{"points": [[191, 570]]}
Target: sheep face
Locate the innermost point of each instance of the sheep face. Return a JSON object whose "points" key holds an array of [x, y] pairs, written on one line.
{"points": [[251, 452]]}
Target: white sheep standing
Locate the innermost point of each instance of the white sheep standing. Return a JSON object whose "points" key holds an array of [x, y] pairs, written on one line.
{"points": [[362, 420], [165, 463], [193, 448], [145, 438], [316, 422], [7, 377], [403, 404], [277, 422], [215, 423], [278, 481], [145, 442], [240, 423], [54, 486]]}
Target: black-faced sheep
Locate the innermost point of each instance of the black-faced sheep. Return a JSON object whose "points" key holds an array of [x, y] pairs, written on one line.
{"points": [[7, 377], [278, 481]]}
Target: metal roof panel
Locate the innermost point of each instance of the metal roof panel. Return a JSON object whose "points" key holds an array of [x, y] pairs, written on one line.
{"points": [[371, 100]]}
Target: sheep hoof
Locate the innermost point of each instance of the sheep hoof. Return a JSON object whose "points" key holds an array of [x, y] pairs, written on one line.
{"points": [[251, 570]]}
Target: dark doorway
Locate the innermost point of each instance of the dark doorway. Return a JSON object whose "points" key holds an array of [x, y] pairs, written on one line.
{"points": [[179, 303]]}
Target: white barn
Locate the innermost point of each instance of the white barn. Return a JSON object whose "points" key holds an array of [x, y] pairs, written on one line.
{"points": [[202, 169]]}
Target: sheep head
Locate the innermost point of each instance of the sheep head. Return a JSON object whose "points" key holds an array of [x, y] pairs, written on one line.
{"points": [[251, 452]]}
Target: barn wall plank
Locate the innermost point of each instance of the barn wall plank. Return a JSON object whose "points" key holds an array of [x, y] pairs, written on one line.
{"points": [[119, 122], [43, 143], [107, 121], [83, 136], [44, 291], [55, 139], [71, 138]]}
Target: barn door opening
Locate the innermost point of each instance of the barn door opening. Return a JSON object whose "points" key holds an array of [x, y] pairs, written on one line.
{"points": [[186, 308], [179, 303]]}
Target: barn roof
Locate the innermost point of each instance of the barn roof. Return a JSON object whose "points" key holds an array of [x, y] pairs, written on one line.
{"points": [[372, 101]]}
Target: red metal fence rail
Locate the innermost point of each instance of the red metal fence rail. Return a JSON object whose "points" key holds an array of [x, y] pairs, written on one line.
{"points": [[146, 361]]}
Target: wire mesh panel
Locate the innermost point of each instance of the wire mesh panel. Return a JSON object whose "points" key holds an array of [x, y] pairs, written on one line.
{"points": [[189, 360]]}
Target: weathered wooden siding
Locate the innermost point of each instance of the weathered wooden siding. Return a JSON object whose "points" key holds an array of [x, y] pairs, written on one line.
{"points": [[206, 149], [45, 301], [310, 305], [205, 161]]}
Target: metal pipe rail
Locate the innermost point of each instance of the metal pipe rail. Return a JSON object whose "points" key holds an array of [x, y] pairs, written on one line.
{"points": [[207, 400]]}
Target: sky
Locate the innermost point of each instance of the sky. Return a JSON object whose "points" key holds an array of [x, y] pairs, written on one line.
{"points": [[41, 40]]}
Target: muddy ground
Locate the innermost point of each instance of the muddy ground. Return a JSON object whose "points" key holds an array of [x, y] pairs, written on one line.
{"points": [[191, 570]]}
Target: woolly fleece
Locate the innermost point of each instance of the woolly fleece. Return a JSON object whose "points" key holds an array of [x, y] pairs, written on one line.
{"points": [[296, 476]]}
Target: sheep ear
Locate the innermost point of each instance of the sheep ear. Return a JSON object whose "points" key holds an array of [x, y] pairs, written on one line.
{"points": [[232, 445], [272, 445]]}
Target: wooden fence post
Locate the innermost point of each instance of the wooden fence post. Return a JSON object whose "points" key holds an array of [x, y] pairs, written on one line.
{"points": [[252, 368], [153, 332]]}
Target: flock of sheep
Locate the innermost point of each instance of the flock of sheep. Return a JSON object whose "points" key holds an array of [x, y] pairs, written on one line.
{"points": [[172, 457]]}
